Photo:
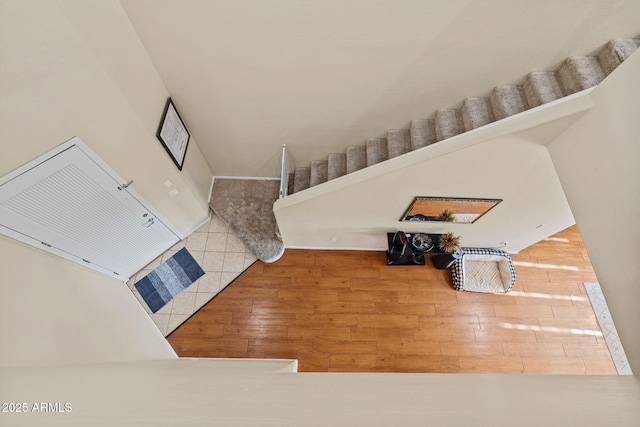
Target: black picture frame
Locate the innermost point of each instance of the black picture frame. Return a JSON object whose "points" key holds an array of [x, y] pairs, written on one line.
{"points": [[173, 134]]}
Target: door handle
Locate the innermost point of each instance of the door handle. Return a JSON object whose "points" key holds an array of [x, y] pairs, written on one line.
{"points": [[150, 222], [123, 186]]}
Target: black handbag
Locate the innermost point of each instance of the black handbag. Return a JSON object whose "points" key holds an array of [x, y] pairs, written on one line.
{"points": [[400, 253]]}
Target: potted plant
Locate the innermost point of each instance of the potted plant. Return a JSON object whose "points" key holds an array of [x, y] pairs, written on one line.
{"points": [[446, 215], [450, 244]]}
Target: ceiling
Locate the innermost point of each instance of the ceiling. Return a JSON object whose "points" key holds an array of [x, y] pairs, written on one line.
{"points": [[248, 76]]}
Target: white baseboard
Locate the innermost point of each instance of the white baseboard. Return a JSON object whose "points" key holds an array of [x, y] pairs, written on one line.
{"points": [[256, 178], [195, 227], [334, 248], [213, 178]]}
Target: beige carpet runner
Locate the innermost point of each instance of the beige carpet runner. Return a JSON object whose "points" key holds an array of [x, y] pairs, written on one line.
{"points": [[539, 87], [246, 206]]}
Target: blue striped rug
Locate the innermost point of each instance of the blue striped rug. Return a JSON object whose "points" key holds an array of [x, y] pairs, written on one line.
{"points": [[169, 279]]}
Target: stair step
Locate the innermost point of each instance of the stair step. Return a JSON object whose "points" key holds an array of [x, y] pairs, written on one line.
{"points": [[376, 150], [423, 133], [477, 112], [398, 142], [337, 165], [356, 158], [318, 173], [580, 73], [508, 100], [301, 179], [615, 52], [448, 123], [542, 87]]}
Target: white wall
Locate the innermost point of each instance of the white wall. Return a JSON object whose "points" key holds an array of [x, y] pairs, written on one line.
{"points": [[320, 75], [75, 67], [207, 392], [597, 161], [506, 160], [55, 312]]}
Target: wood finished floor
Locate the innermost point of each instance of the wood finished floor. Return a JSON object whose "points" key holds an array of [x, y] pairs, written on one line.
{"points": [[347, 311]]}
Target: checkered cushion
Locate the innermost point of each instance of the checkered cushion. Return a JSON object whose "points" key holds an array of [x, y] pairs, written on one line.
{"points": [[483, 270]]}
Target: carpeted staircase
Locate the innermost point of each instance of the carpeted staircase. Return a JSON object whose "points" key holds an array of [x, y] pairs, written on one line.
{"points": [[539, 87], [247, 205]]}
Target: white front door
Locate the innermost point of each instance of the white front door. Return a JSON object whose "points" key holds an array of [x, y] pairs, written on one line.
{"points": [[70, 203]]}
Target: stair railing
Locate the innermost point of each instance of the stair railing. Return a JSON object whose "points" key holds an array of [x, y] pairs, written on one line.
{"points": [[284, 172]]}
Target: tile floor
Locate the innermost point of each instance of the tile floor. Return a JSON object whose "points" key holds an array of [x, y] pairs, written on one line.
{"points": [[221, 255]]}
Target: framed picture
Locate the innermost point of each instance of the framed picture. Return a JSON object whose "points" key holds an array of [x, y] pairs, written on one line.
{"points": [[173, 134]]}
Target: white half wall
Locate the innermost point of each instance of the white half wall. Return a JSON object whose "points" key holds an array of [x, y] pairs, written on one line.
{"points": [[209, 392], [55, 312], [597, 162]]}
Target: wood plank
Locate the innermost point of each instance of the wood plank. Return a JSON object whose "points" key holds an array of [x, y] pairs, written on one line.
{"points": [[427, 364], [491, 364], [406, 308], [198, 330], [427, 297], [357, 272], [482, 298], [381, 333], [457, 335], [471, 349], [265, 319], [270, 307], [346, 307], [316, 283], [533, 349], [325, 332], [294, 296], [578, 350], [313, 362], [345, 347], [333, 319], [290, 347], [523, 311], [571, 322], [368, 295], [599, 365], [500, 322], [565, 337], [244, 331], [554, 365], [362, 363], [219, 346], [405, 347], [395, 284], [387, 321], [482, 310], [504, 335]]}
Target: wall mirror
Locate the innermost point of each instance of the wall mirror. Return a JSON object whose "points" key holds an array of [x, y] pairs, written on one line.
{"points": [[448, 209]]}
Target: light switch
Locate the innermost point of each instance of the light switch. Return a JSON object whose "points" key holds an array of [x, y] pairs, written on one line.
{"points": [[168, 184]]}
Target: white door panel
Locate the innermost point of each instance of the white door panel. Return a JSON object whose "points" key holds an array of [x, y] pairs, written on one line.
{"points": [[68, 201]]}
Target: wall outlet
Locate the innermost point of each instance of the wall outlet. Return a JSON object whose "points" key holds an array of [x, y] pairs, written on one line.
{"points": [[168, 184], [173, 192]]}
